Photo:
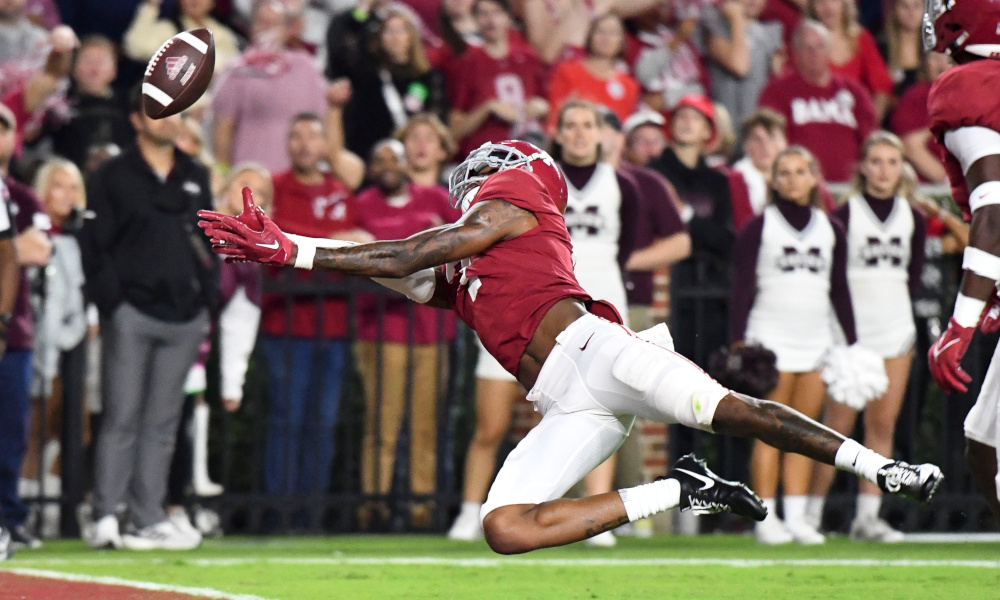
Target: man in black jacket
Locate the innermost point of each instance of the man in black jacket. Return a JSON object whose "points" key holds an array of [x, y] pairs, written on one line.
{"points": [[153, 278]]}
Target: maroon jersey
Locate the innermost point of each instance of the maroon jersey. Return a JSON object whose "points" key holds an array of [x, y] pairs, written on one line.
{"points": [[319, 211], [958, 99], [515, 79], [504, 293], [831, 121]]}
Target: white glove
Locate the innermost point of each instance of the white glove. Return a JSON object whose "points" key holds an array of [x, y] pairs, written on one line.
{"points": [[854, 375]]}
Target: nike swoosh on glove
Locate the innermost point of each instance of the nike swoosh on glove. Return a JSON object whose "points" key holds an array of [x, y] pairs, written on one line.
{"points": [[945, 358], [990, 321], [250, 236]]}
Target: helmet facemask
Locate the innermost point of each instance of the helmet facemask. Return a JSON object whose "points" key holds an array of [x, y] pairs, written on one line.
{"points": [[932, 10], [480, 164]]}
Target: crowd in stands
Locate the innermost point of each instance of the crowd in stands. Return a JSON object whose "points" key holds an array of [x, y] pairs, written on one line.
{"points": [[694, 136]]}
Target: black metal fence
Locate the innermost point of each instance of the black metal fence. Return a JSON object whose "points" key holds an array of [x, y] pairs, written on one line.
{"points": [[929, 429]]}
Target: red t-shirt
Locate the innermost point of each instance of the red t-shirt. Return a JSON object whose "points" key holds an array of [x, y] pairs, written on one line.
{"points": [[910, 116], [427, 207], [315, 211], [831, 121], [504, 293], [866, 66], [962, 97], [620, 93], [516, 78]]}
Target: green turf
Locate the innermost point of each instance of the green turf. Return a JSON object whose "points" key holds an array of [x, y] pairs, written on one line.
{"points": [[273, 574]]}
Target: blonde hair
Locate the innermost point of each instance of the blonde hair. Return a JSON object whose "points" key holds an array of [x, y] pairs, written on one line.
{"points": [[848, 20], [44, 176], [881, 138], [814, 199], [263, 197]]}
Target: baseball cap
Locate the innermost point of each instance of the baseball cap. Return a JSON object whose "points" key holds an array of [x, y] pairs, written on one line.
{"points": [[610, 118], [640, 118], [700, 104]]}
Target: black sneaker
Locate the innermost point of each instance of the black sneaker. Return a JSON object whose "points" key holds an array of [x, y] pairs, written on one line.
{"points": [[6, 548], [916, 481], [20, 537], [705, 493]]}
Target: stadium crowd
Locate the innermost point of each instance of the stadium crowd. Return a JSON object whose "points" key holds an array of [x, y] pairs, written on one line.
{"points": [[696, 137]]}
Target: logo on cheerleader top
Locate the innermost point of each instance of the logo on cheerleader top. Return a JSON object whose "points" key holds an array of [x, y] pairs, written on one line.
{"points": [[174, 66], [793, 259]]}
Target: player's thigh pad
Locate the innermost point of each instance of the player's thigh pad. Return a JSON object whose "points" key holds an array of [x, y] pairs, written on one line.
{"points": [[671, 386], [554, 456], [981, 424]]}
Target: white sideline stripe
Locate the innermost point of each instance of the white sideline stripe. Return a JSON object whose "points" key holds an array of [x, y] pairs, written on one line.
{"points": [[156, 94], [142, 585], [536, 562], [194, 42], [952, 538]]}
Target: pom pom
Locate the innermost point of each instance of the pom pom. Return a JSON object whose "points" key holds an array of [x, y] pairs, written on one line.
{"points": [[748, 369], [854, 375]]}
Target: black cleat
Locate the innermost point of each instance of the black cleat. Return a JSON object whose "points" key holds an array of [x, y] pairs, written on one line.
{"points": [[915, 481], [705, 493]]}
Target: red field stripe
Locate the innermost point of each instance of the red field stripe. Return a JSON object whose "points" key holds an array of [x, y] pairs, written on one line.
{"points": [[15, 586]]}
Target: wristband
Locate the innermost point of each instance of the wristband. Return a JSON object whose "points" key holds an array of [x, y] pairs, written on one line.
{"points": [[981, 263], [985, 194], [304, 255], [968, 310]]}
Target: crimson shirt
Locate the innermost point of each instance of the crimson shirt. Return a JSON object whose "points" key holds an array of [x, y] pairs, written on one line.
{"points": [[963, 97], [516, 78], [504, 292], [427, 207], [315, 211], [27, 212], [831, 121]]}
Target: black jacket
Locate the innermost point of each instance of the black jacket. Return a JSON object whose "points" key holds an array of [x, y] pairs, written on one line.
{"points": [[143, 245]]}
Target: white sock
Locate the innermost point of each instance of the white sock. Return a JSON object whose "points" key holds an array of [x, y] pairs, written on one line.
{"points": [[855, 458], [814, 508], [472, 508], [868, 506], [795, 507], [648, 499], [771, 504]]}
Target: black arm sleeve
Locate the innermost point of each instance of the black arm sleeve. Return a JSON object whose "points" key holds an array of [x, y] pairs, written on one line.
{"points": [[918, 252], [743, 289], [629, 216], [840, 293]]}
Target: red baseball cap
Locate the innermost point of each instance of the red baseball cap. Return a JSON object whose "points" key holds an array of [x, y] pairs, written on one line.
{"points": [[700, 104]]}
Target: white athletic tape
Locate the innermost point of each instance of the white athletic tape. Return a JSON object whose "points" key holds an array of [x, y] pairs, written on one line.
{"points": [[968, 310], [969, 144], [192, 41], [982, 263], [156, 94], [985, 194], [305, 255]]}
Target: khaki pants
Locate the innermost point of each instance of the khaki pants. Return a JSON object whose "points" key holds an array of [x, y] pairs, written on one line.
{"points": [[383, 420]]}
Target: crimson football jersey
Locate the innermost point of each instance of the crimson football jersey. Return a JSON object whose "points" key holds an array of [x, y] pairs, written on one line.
{"points": [[504, 293], [515, 78], [961, 97]]}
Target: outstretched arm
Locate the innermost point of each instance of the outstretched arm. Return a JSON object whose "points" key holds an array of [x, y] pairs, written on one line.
{"points": [[253, 236], [483, 226]]}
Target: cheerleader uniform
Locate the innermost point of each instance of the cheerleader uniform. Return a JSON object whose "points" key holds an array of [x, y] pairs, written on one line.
{"points": [[790, 267], [885, 257]]}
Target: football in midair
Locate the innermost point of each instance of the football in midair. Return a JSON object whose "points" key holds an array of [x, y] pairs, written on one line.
{"points": [[179, 73]]}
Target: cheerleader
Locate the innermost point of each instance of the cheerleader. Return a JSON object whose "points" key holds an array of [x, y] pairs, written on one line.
{"points": [[790, 265], [885, 257]]}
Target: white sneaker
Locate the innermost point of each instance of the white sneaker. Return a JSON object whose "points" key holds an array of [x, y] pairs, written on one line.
{"points": [[160, 536], [466, 527], [104, 533], [183, 524], [772, 532], [875, 530], [602, 540], [804, 533]]}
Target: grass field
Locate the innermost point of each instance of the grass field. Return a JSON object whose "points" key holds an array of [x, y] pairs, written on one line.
{"points": [[418, 567]]}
